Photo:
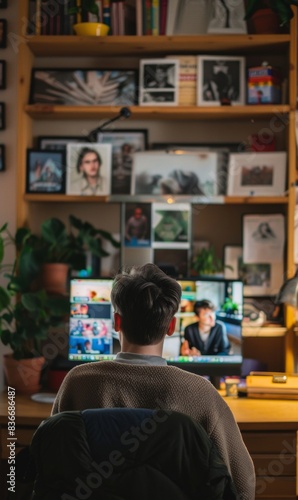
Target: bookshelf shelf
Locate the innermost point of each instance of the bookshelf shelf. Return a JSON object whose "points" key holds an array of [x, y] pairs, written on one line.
{"points": [[78, 46], [45, 112]]}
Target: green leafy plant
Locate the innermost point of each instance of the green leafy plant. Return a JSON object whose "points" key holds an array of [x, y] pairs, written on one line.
{"points": [[229, 306], [85, 7], [25, 314], [281, 7], [207, 262], [58, 245]]}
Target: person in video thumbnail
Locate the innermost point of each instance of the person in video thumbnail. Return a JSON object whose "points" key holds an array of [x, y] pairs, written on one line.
{"points": [[206, 336]]}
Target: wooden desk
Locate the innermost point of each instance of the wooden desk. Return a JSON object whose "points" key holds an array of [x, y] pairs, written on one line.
{"points": [[269, 429]]}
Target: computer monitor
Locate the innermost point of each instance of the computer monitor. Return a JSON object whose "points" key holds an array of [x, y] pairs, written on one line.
{"points": [[227, 298], [92, 336]]}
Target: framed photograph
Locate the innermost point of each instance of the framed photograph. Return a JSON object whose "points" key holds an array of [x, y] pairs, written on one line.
{"points": [[2, 74], [162, 173], [83, 87], [227, 17], [57, 142], [125, 143], [221, 80], [45, 171], [158, 82], [259, 279], [2, 157], [137, 225], [171, 225], [3, 4], [3, 33], [257, 174], [88, 171], [2, 115]]}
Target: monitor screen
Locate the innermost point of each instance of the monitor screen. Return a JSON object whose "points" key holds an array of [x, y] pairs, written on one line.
{"points": [[218, 332], [93, 338], [91, 334]]}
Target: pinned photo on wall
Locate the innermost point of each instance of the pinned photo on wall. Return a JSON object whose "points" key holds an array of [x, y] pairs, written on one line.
{"points": [[171, 225], [88, 171], [137, 225], [45, 172], [263, 238], [159, 82]]}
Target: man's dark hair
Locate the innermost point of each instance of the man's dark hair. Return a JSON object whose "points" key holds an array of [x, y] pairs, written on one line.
{"points": [[146, 299], [203, 304], [85, 151]]}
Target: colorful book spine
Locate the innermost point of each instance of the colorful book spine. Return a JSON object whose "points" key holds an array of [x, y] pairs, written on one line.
{"points": [[155, 17], [163, 6], [148, 17], [106, 12], [187, 95]]}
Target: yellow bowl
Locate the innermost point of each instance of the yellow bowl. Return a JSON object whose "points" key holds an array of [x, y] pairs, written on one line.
{"points": [[91, 29]]}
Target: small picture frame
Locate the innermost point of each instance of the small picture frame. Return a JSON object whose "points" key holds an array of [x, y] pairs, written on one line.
{"points": [[88, 170], [171, 225], [125, 143], [2, 74], [158, 82], [227, 17], [83, 87], [2, 116], [164, 173], [3, 33], [221, 80], [259, 279], [257, 174], [2, 157], [45, 171], [57, 143]]}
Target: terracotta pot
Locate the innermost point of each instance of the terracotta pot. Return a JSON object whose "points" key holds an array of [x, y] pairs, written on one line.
{"points": [[23, 374], [265, 21], [54, 278]]}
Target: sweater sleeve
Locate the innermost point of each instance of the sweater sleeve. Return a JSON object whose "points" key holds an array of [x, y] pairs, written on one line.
{"points": [[228, 439]]}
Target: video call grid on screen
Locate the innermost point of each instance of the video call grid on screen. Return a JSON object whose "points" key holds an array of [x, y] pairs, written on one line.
{"points": [[91, 320]]}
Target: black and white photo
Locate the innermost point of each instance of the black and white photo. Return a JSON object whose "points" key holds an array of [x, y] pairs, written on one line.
{"points": [[159, 82], [88, 170], [125, 143], [83, 87], [45, 172], [263, 238], [227, 17], [221, 80]]}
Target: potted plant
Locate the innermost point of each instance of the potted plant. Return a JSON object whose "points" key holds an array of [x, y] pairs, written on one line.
{"points": [[25, 313], [206, 262], [230, 307], [269, 15], [89, 28], [59, 250]]}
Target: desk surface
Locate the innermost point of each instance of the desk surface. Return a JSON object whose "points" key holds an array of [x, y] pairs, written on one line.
{"points": [[249, 413]]}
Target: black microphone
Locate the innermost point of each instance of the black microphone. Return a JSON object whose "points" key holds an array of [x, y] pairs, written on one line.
{"points": [[123, 114]]}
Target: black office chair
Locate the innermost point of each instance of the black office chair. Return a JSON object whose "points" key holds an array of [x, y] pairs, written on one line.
{"points": [[127, 454]]}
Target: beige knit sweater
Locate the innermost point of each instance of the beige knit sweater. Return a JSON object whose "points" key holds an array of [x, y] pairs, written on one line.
{"points": [[110, 384]]}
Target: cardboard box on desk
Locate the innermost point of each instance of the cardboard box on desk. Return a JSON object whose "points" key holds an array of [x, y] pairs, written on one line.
{"points": [[272, 385]]}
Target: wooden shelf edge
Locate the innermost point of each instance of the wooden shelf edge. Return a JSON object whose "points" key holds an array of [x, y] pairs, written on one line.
{"points": [[45, 111], [134, 45], [45, 197]]}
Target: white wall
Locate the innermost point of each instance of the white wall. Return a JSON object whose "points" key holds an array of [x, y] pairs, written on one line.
{"points": [[8, 137]]}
